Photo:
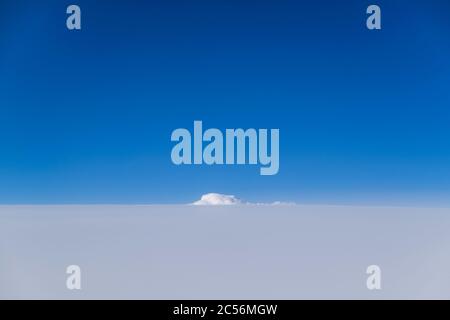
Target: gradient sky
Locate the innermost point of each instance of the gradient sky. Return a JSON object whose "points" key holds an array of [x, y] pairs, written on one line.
{"points": [[86, 116]]}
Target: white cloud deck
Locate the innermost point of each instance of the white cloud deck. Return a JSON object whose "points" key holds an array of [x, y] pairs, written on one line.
{"points": [[239, 252]]}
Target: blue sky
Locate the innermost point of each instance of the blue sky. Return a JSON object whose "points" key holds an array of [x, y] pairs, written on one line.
{"points": [[86, 116]]}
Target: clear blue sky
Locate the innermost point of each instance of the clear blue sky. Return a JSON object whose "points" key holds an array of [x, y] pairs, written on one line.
{"points": [[86, 117]]}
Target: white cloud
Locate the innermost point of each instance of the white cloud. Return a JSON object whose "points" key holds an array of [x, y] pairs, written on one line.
{"points": [[281, 203], [217, 199]]}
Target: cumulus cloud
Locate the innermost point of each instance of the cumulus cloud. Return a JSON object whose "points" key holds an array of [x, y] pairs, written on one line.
{"points": [[217, 199]]}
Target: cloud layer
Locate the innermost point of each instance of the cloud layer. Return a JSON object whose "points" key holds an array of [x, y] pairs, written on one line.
{"points": [[217, 199]]}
